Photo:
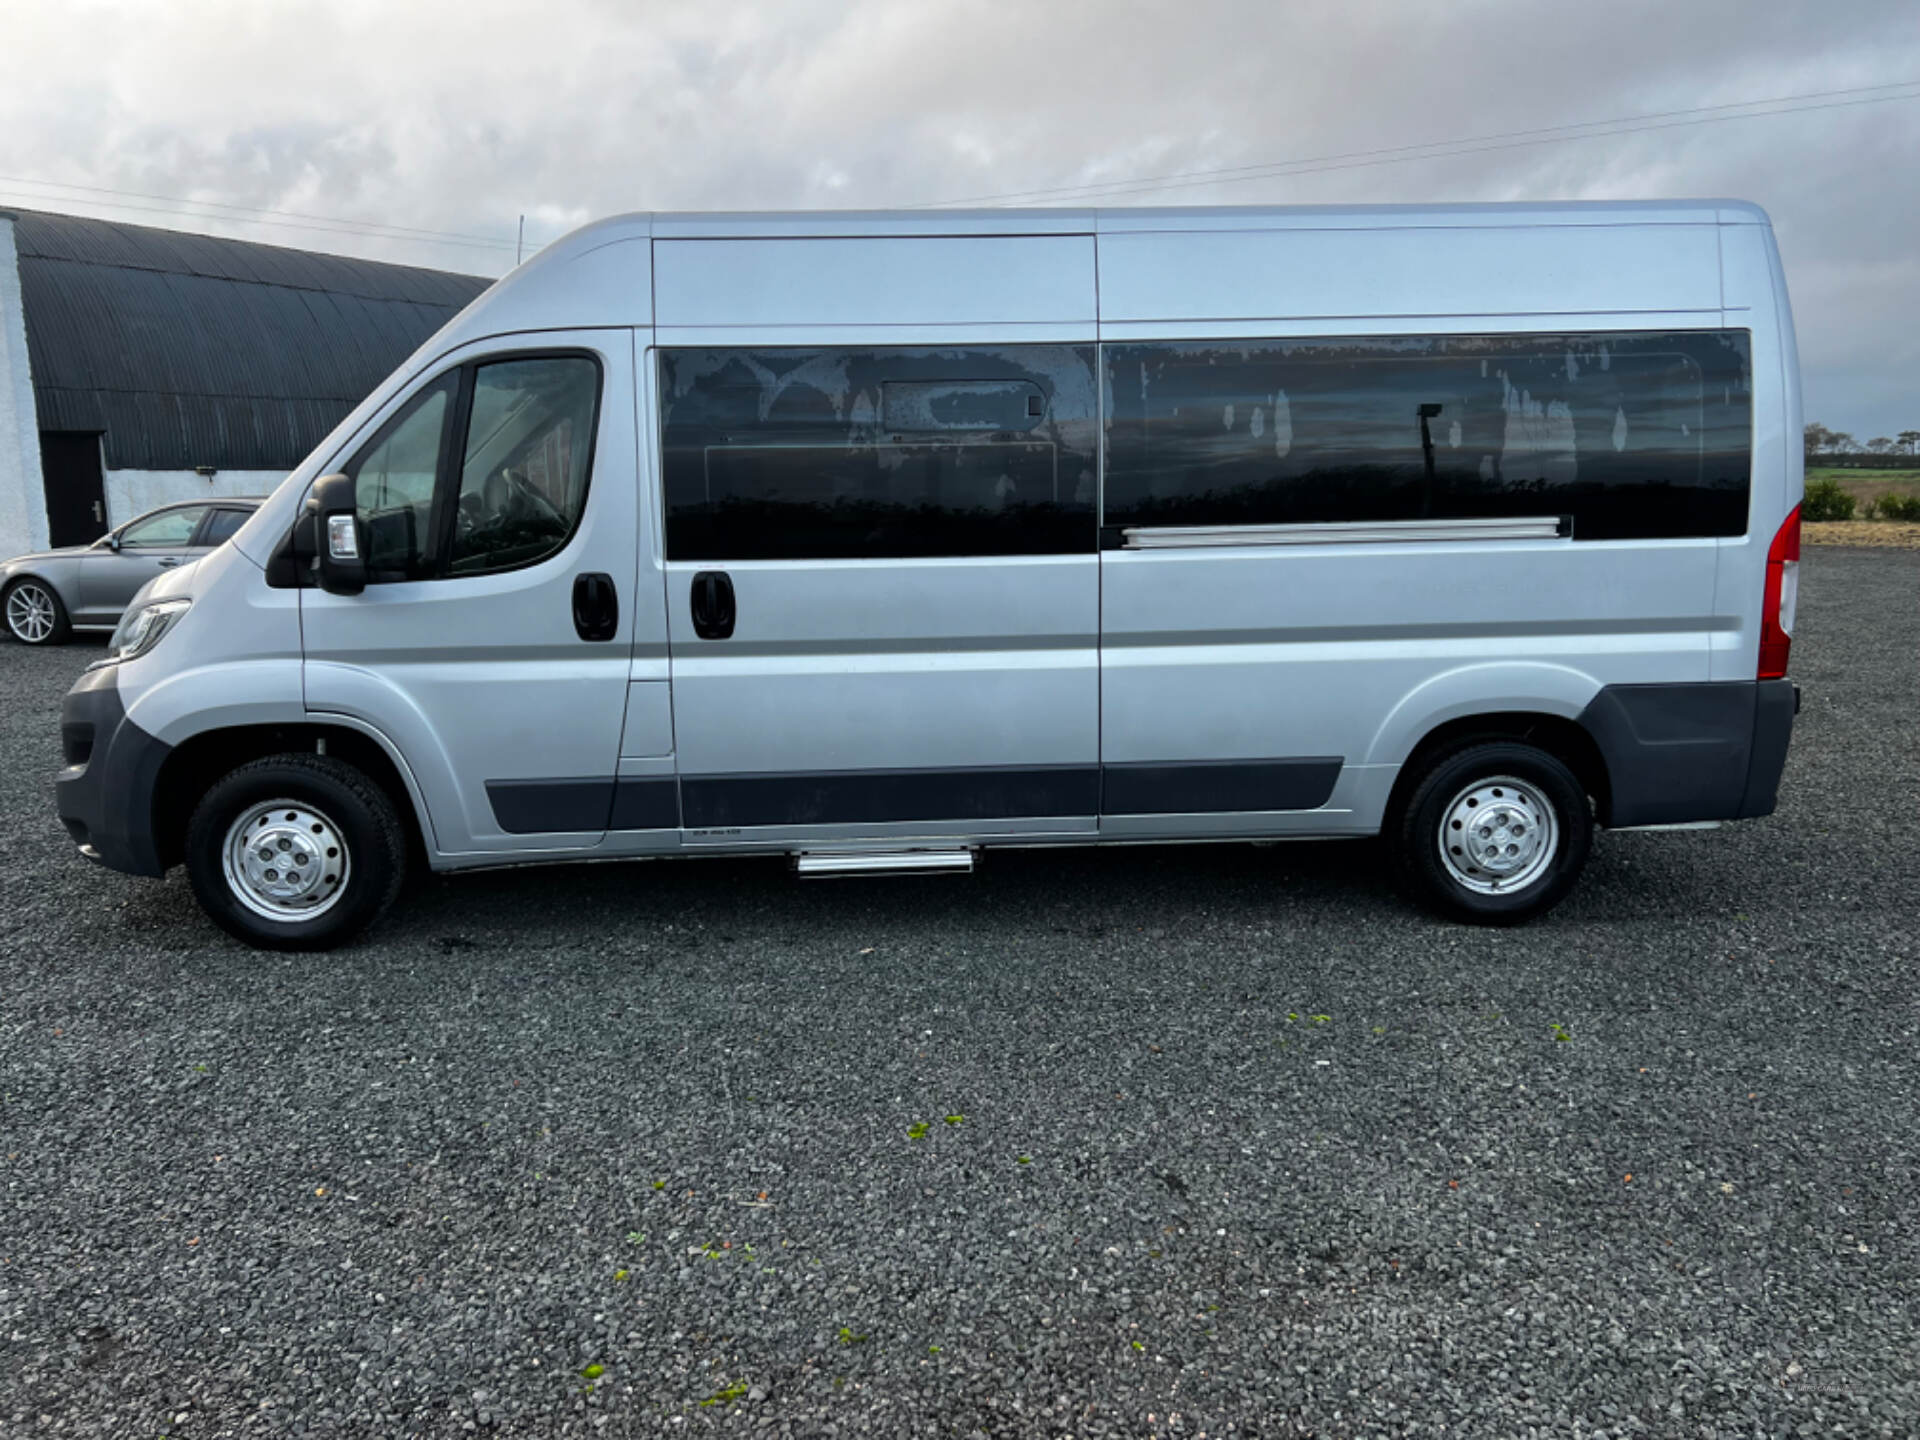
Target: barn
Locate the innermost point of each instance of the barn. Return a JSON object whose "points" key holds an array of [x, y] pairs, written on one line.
{"points": [[140, 366]]}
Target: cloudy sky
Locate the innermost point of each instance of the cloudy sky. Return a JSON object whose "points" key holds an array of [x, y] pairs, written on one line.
{"points": [[364, 123]]}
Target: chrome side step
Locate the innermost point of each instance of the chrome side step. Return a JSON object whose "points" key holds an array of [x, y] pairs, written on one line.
{"points": [[826, 865], [1675, 825]]}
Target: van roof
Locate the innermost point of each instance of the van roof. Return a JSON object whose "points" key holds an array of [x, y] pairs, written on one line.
{"points": [[767, 224], [603, 274]]}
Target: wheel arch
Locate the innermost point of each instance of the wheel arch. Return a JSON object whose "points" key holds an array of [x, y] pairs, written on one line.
{"points": [[1563, 737], [197, 762], [1536, 701]]}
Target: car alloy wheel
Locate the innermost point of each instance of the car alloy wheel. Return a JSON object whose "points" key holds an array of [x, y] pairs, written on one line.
{"points": [[32, 612]]}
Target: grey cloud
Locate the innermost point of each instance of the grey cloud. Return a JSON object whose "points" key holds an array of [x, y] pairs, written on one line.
{"points": [[460, 117]]}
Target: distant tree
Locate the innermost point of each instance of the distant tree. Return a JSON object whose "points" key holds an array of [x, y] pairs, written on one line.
{"points": [[1880, 445], [1909, 441], [1841, 443], [1819, 439]]}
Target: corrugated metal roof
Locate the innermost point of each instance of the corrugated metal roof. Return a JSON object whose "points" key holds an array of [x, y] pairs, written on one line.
{"points": [[196, 350]]}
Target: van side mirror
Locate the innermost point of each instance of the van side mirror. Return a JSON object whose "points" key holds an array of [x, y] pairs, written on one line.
{"points": [[336, 540]]}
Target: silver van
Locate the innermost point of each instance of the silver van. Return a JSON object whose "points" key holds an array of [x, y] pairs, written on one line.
{"points": [[880, 539]]}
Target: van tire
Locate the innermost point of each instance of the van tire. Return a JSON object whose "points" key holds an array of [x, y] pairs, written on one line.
{"points": [[1517, 783], [332, 799]]}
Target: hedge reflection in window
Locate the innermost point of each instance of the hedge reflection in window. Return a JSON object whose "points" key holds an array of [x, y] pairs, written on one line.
{"points": [[867, 453], [1633, 435]]}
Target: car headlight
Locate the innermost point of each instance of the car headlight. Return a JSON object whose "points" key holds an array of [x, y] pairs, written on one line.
{"points": [[142, 629]]}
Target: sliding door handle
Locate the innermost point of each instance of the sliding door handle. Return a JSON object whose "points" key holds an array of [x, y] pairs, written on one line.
{"points": [[712, 601]]}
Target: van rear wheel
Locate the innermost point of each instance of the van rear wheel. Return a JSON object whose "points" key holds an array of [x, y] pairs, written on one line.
{"points": [[1494, 832], [295, 852]]}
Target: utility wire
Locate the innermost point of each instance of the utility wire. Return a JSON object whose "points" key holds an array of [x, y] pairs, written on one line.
{"points": [[1520, 144], [357, 233], [253, 209], [253, 215], [1466, 145]]}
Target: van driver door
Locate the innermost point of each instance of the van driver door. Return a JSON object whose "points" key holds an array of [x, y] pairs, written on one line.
{"points": [[492, 644]]}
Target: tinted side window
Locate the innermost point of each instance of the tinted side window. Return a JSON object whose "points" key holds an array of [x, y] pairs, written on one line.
{"points": [[837, 454], [393, 485], [524, 466], [221, 525], [170, 529], [1634, 435]]}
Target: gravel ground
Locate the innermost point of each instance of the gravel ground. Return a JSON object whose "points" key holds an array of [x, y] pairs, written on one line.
{"points": [[1214, 1140]]}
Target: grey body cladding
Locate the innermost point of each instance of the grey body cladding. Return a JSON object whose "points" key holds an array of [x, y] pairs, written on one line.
{"points": [[1677, 753], [534, 807], [1219, 786], [1673, 753], [877, 797]]}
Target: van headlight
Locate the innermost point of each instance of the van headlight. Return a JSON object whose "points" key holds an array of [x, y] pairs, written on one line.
{"points": [[140, 630]]}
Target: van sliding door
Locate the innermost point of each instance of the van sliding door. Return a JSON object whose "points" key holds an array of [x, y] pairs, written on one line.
{"points": [[883, 590]]}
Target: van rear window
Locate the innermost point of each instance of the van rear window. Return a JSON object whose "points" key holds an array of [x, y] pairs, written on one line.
{"points": [[1633, 435], [840, 454]]}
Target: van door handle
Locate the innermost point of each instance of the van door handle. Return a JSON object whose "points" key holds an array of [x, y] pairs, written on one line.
{"points": [[596, 606], [169, 562], [712, 605]]}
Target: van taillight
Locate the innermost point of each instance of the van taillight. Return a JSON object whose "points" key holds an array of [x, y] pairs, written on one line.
{"points": [[1778, 600]]}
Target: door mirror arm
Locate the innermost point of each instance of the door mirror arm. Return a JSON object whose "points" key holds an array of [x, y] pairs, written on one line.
{"points": [[336, 539]]}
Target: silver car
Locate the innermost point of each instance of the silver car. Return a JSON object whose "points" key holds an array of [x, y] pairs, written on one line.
{"points": [[47, 596]]}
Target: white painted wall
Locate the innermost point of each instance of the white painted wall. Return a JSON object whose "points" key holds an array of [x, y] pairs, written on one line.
{"points": [[23, 501], [134, 492]]}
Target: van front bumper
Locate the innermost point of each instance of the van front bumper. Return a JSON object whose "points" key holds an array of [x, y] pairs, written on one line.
{"points": [[105, 793]]}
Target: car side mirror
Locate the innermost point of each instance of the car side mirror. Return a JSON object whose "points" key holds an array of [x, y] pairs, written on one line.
{"points": [[112, 542], [337, 540]]}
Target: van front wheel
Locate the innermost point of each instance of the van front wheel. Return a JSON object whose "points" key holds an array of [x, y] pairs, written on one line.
{"points": [[1494, 833], [295, 852]]}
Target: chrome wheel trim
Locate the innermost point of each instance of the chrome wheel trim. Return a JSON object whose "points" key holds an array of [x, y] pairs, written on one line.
{"points": [[1498, 836], [30, 612], [286, 861]]}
